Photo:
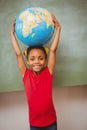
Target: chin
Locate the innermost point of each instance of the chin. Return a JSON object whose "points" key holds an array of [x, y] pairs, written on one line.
{"points": [[37, 71]]}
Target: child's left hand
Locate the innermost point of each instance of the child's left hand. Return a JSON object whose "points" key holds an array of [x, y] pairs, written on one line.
{"points": [[55, 21]]}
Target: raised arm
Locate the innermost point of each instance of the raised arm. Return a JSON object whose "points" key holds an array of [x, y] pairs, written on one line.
{"points": [[17, 50], [54, 46]]}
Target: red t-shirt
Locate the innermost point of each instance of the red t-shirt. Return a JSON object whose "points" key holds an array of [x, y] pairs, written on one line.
{"points": [[38, 90]]}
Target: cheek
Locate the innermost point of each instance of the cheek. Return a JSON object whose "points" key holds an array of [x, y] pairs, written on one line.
{"points": [[30, 63], [44, 62]]}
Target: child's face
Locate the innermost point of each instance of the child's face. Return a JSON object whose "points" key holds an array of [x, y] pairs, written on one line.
{"points": [[36, 60]]}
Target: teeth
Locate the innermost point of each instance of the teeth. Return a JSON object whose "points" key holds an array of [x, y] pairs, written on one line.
{"points": [[37, 66]]}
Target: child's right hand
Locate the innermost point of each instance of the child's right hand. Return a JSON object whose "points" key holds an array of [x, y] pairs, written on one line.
{"points": [[12, 30]]}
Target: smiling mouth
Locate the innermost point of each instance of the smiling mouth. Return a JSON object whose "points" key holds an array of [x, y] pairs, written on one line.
{"points": [[36, 67]]}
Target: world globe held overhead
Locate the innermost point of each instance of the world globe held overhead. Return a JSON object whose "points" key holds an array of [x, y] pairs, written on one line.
{"points": [[34, 26]]}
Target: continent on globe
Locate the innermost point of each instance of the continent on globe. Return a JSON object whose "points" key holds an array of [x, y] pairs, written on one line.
{"points": [[34, 26]]}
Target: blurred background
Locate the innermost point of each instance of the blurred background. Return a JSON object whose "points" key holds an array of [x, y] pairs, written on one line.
{"points": [[71, 66], [70, 77]]}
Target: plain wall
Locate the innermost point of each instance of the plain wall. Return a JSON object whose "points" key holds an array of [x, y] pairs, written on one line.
{"points": [[71, 66]]}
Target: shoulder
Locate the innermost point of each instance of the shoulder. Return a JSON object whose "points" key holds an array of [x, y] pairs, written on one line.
{"points": [[46, 71], [26, 73]]}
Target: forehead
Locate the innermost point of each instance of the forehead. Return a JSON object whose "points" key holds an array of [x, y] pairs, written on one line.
{"points": [[36, 52]]}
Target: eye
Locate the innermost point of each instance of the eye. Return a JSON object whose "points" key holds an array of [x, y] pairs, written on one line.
{"points": [[41, 58], [32, 59]]}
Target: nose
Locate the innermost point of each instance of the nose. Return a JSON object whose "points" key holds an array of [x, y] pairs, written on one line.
{"points": [[36, 60]]}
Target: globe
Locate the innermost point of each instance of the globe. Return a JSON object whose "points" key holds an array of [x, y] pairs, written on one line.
{"points": [[34, 26]]}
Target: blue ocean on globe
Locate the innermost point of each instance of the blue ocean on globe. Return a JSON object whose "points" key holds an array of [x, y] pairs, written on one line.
{"points": [[34, 26]]}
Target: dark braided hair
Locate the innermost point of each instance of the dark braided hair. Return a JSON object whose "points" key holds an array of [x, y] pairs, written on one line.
{"points": [[36, 47]]}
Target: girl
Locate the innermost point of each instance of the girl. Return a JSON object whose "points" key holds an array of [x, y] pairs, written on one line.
{"points": [[37, 80]]}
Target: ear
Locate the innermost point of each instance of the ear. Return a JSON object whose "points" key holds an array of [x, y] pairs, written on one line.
{"points": [[46, 62], [27, 62]]}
